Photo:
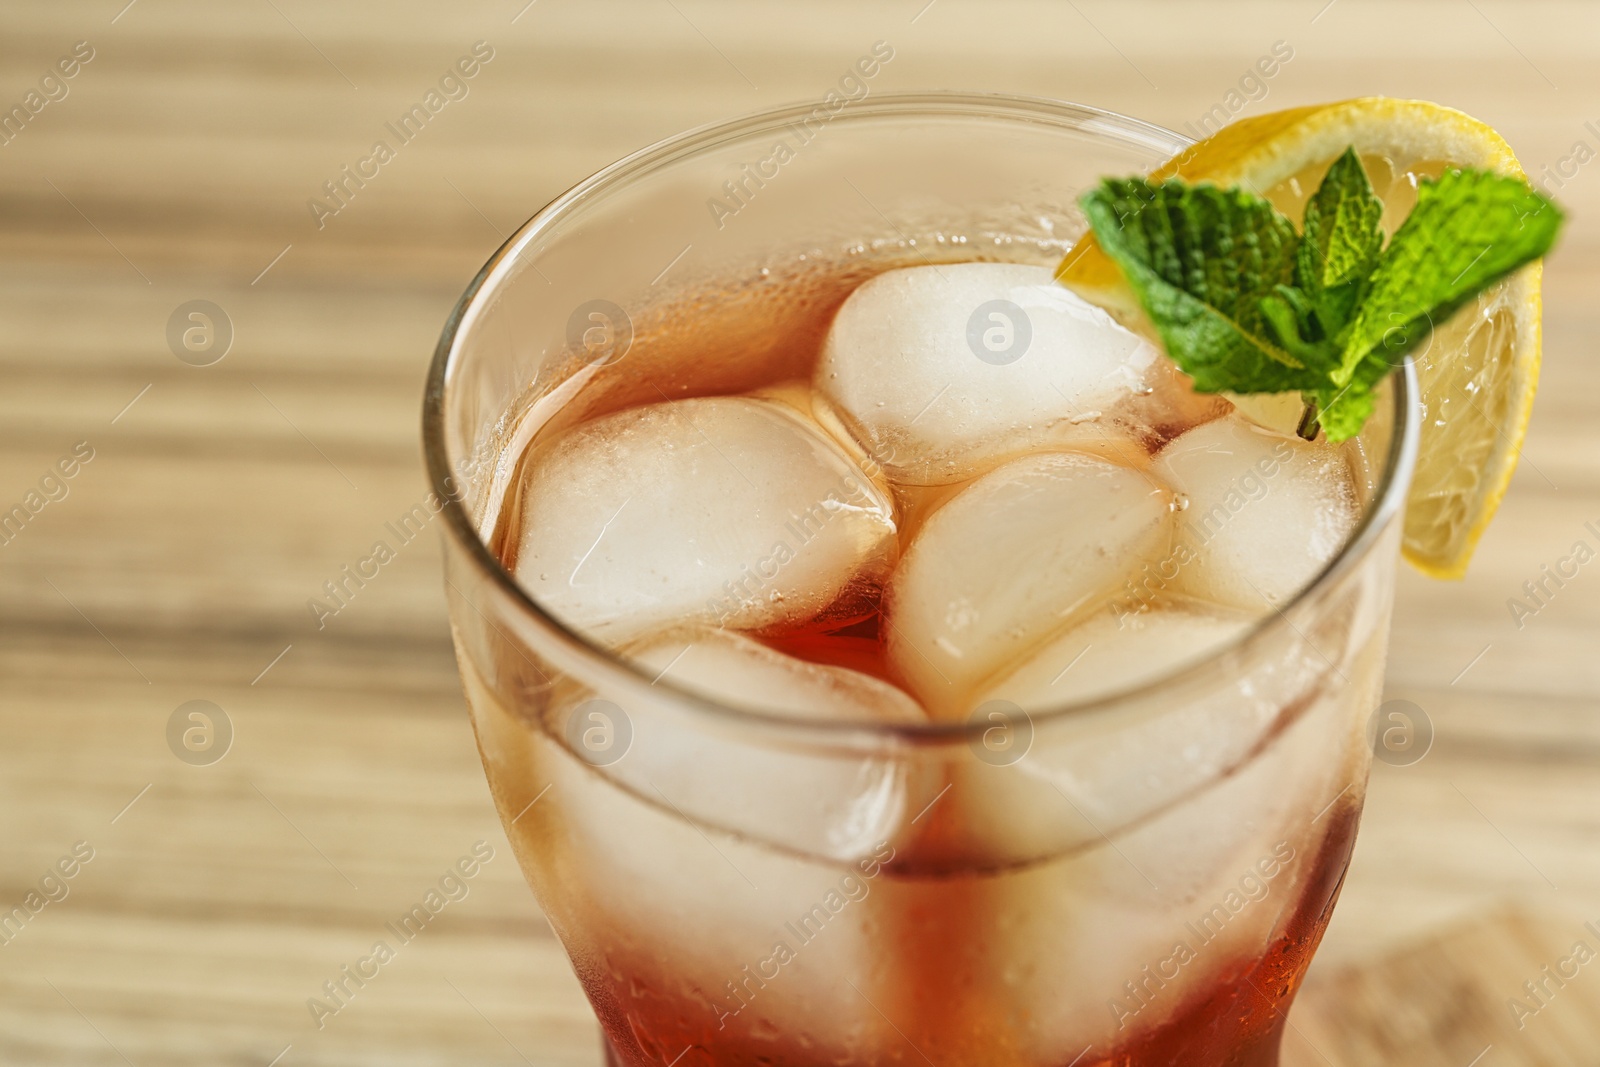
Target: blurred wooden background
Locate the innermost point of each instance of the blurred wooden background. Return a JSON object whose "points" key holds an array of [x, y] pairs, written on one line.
{"points": [[220, 498]]}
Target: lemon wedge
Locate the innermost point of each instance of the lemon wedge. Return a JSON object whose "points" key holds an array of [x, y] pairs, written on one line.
{"points": [[1478, 371]]}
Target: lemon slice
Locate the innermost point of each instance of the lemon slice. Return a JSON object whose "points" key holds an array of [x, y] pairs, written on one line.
{"points": [[1479, 370]]}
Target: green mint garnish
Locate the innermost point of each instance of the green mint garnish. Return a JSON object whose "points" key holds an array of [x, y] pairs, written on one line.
{"points": [[1341, 245], [1202, 260], [1244, 304]]}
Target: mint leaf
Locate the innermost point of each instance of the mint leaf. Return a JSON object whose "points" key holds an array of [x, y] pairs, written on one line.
{"points": [[1201, 259], [1469, 229], [1340, 244]]}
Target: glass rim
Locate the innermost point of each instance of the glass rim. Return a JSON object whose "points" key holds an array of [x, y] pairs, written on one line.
{"points": [[1395, 475]]}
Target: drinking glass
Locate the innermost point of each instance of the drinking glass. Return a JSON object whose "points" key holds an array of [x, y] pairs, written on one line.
{"points": [[1139, 879]]}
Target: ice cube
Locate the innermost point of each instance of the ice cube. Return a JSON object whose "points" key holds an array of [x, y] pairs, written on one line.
{"points": [[1107, 943], [941, 372], [1265, 513], [691, 934], [1117, 650], [724, 510], [833, 804], [1185, 816], [1012, 558], [740, 672], [705, 842], [1051, 796]]}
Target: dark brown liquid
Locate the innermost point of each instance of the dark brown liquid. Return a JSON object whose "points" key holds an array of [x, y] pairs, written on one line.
{"points": [[860, 647], [1237, 1020]]}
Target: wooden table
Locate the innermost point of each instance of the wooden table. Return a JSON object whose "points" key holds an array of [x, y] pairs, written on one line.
{"points": [[220, 498]]}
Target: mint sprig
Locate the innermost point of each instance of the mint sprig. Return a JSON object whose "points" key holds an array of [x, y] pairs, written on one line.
{"points": [[1244, 304]]}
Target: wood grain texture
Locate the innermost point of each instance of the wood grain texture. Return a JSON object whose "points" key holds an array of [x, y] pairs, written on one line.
{"points": [[179, 564]]}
